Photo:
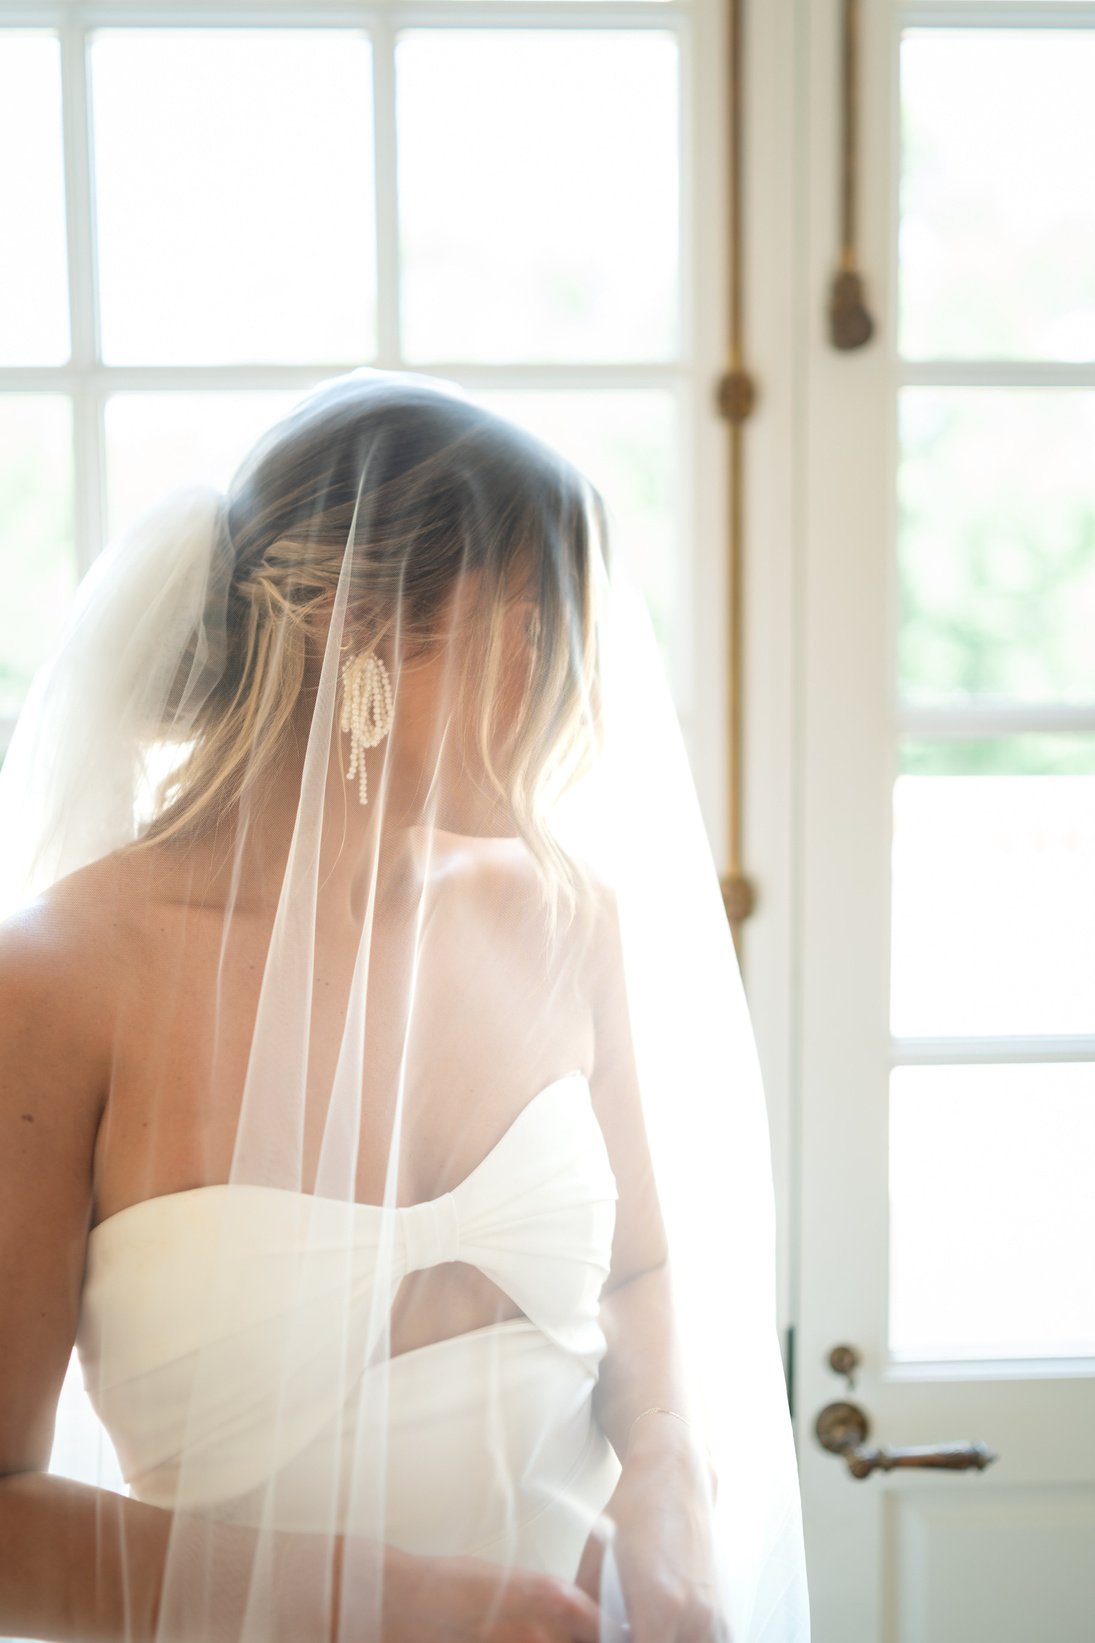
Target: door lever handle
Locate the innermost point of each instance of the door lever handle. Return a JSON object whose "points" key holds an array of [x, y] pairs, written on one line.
{"points": [[963, 1456], [842, 1428]]}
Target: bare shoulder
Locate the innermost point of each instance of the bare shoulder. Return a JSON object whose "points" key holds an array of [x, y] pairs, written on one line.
{"points": [[493, 880], [58, 970], [54, 939], [505, 883], [55, 1016], [59, 966], [595, 928]]}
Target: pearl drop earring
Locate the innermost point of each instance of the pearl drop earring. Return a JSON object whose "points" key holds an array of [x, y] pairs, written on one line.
{"points": [[366, 711]]}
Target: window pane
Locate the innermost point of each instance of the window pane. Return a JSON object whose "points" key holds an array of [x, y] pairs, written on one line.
{"points": [[1028, 754], [234, 186], [39, 561], [997, 544], [33, 276], [626, 443], [155, 441], [538, 194], [997, 254], [992, 1217], [994, 902]]}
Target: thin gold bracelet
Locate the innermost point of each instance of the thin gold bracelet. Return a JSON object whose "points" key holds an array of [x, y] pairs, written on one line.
{"points": [[659, 1409], [655, 1409]]}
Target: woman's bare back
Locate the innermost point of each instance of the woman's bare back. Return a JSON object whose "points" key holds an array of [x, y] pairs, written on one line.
{"points": [[177, 1005]]}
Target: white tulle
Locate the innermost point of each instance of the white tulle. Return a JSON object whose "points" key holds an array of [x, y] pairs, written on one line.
{"points": [[224, 1276], [75, 779], [235, 1334]]}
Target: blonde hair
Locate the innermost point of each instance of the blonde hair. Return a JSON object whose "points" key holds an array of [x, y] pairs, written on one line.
{"points": [[426, 486]]}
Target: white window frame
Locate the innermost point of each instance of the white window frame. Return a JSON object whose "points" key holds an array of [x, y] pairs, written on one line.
{"points": [[774, 189], [88, 382], [965, 721], [961, 720]]}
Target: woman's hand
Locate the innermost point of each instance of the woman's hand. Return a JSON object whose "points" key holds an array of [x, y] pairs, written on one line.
{"points": [[660, 1512], [469, 1600]]}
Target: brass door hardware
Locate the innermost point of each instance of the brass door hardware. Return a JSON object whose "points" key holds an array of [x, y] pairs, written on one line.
{"points": [[840, 1427], [950, 1457], [843, 1360], [735, 398], [843, 1429], [850, 322]]}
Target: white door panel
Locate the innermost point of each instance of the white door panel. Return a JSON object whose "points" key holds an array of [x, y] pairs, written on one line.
{"points": [[977, 1233]]}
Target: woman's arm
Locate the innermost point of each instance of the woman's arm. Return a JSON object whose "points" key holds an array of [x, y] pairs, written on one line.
{"points": [[640, 1399], [78, 1563], [661, 1506], [60, 1543], [75, 1562], [641, 1370]]}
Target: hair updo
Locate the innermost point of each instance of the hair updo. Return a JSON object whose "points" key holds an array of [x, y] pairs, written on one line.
{"points": [[424, 486]]}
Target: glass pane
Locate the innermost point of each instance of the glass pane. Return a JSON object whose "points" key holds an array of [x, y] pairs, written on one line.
{"points": [[39, 559], [997, 254], [33, 275], [993, 903], [538, 194], [155, 441], [1030, 754], [997, 544], [234, 186], [626, 442], [992, 1217]]}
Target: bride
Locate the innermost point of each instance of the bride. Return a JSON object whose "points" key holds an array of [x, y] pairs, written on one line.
{"points": [[381, 1112]]}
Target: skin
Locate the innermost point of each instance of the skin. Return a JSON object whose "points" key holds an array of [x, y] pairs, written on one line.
{"points": [[116, 1085]]}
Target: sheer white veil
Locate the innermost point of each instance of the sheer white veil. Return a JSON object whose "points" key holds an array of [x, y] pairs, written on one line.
{"points": [[374, 1004]]}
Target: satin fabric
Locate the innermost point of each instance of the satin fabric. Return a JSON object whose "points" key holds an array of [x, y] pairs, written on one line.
{"points": [[490, 1443]]}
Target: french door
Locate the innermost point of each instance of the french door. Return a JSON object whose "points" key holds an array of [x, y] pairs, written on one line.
{"points": [[946, 1055]]}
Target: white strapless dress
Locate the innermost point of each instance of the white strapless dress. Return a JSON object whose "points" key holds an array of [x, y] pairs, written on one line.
{"points": [[230, 1335]]}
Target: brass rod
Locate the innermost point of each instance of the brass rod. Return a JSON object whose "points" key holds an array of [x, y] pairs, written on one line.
{"points": [[736, 397], [851, 324], [734, 259], [737, 351], [849, 135], [734, 683]]}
